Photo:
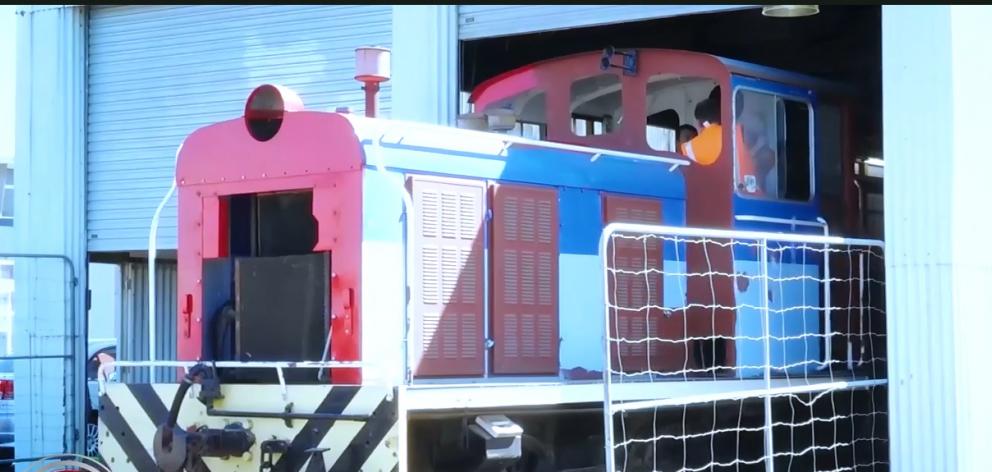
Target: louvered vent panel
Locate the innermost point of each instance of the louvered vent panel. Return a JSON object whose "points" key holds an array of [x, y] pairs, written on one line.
{"points": [[640, 294], [449, 305], [525, 277]]}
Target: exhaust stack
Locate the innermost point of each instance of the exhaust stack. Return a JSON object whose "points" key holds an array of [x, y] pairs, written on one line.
{"points": [[371, 69]]}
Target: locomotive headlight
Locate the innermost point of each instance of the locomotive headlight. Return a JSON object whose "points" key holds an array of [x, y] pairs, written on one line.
{"points": [[265, 108]]}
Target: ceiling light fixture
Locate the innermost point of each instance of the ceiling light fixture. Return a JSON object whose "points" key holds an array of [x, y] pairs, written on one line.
{"points": [[789, 11]]}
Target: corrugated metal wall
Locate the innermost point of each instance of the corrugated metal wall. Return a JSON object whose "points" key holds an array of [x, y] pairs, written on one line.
{"points": [[156, 73], [480, 21], [133, 337]]}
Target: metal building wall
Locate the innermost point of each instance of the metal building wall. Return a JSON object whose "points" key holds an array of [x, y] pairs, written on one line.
{"points": [[133, 335], [481, 21], [156, 73], [936, 74]]}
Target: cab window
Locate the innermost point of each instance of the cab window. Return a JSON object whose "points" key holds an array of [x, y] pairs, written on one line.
{"points": [[596, 105], [671, 109], [771, 146]]}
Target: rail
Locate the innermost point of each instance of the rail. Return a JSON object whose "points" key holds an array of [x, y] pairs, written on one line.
{"points": [[186, 365], [482, 142]]}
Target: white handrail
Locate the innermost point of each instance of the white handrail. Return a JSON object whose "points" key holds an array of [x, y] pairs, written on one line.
{"points": [[732, 234], [430, 132], [239, 364], [278, 366], [152, 254], [819, 223]]}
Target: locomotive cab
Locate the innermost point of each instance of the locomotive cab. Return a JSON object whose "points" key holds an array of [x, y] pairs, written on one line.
{"points": [[770, 152]]}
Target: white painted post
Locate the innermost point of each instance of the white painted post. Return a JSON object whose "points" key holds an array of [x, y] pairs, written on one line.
{"points": [[936, 75], [425, 63], [50, 219]]}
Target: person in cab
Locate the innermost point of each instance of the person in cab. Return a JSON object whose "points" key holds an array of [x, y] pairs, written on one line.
{"points": [[756, 160]]}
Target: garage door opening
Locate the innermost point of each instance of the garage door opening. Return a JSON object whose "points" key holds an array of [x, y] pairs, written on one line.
{"points": [[841, 44]]}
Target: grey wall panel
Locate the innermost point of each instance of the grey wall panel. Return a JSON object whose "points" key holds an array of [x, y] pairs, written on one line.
{"points": [[157, 73], [133, 337], [481, 21]]}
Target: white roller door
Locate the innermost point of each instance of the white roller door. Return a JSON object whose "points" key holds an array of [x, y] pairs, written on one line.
{"points": [[481, 21], [156, 73]]}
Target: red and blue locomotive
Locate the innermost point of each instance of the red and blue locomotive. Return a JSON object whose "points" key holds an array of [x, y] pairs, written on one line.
{"points": [[443, 282]]}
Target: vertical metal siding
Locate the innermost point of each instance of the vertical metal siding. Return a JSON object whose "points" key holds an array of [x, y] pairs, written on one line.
{"points": [[480, 21], [156, 73], [133, 337], [49, 149], [425, 59], [448, 244], [525, 280], [919, 217]]}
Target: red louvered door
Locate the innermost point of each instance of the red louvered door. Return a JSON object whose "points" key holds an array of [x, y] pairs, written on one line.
{"points": [[525, 280], [636, 291], [448, 247]]}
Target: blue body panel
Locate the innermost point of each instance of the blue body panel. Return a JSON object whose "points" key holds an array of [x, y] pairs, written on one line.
{"points": [[580, 287], [793, 273]]}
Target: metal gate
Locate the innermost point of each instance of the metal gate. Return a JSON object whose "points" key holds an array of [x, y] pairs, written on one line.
{"points": [[42, 384], [769, 350]]}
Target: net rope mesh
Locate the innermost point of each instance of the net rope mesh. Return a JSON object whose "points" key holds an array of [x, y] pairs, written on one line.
{"points": [[722, 329]]}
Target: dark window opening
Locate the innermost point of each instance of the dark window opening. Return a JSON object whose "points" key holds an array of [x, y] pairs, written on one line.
{"points": [[276, 224], [6, 195], [794, 169]]}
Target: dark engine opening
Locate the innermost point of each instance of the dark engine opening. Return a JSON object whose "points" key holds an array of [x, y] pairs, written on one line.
{"points": [[268, 300]]}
